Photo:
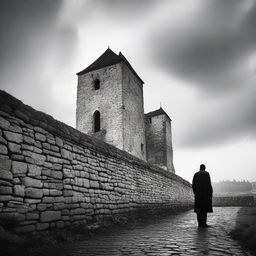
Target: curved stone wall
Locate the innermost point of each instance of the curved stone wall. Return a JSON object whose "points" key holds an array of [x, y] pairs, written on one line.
{"points": [[52, 175]]}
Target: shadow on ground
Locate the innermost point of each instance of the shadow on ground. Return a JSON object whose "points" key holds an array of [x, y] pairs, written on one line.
{"points": [[245, 228]]}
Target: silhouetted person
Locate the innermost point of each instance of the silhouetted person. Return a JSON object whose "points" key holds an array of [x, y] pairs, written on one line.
{"points": [[202, 188]]}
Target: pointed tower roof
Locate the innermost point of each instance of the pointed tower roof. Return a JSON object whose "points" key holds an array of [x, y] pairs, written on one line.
{"points": [[108, 58], [157, 112]]}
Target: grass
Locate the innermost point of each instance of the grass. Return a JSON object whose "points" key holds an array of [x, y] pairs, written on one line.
{"points": [[245, 229]]}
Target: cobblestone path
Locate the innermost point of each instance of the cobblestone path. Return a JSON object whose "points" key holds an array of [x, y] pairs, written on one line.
{"points": [[175, 235]]}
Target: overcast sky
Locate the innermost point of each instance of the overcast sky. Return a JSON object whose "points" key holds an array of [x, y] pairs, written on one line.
{"points": [[196, 57]]}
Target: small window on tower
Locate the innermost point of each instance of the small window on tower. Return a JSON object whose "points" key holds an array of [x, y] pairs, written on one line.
{"points": [[142, 148], [96, 84], [96, 117], [150, 120]]}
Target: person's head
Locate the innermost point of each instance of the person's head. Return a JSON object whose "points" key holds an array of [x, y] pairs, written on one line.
{"points": [[202, 167]]}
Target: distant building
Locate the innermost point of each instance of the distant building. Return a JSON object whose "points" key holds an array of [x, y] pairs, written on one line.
{"points": [[110, 107]]}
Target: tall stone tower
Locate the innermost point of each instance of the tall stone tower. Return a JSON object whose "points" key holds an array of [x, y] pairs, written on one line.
{"points": [[110, 103], [159, 139]]}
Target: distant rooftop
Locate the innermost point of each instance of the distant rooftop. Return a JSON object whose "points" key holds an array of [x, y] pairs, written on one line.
{"points": [[157, 112], [108, 58]]}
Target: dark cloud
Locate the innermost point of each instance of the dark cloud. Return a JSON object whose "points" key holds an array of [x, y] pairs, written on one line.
{"points": [[210, 48], [35, 47], [227, 122]]}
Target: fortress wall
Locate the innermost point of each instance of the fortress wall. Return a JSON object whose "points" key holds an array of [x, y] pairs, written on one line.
{"points": [[52, 175]]}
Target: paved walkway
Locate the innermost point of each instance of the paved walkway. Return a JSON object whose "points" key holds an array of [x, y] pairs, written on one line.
{"points": [[175, 235]]}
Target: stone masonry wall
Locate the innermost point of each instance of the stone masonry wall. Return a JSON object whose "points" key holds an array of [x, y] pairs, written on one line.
{"points": [[52, 175], [107, 100], [133, 114], [169, 148], [156, 140]]}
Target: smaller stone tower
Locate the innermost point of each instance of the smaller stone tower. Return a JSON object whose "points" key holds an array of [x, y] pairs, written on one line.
{"points": [[159, 139]]}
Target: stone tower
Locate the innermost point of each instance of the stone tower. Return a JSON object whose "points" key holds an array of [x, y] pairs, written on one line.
{"points": [[110, 103], [159, 139]]}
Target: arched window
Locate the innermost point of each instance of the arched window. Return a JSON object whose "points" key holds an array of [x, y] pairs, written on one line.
{"points": [[96, 118], [96, 84]]}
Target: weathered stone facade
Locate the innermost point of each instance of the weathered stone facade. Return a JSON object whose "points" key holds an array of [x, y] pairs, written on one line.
{"points": [[119, 100], [52, 175], [159, 139]]}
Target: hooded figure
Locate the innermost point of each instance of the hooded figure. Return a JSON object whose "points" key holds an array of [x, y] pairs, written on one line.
{"points": [[203, 195]]}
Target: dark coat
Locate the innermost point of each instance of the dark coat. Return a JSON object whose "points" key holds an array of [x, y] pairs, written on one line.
{"points": [[203, 192]]}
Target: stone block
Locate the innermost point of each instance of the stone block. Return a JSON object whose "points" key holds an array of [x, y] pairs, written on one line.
{"points": [[33, 193], [3, 149], [32, 216], [5, 190], [48, 216], [32, 203], [66, 154], [42, 226], [59, 199], [18, 190], [17, 157], [68, 193], [57, 166], [39, 136], [48, 199], [5, 163], [77, 211], [42, 207], [31, 182], [59, 142], [55, 192], [28, 140], [5, 175], [25, 229], [57, 174], [55, 148], [4, 124], [60, 224], [34, 170], [19, 167], [4, 198], [5, 183], [94, 184], [40, 130], [2, 140], [14, 137], [14, 148], [15, 128]]}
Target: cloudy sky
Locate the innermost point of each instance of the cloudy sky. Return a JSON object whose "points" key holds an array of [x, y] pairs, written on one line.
{"points": [[196, 57]]}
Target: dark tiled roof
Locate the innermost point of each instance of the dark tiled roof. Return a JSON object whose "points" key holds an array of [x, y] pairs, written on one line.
{"points": [[157, 112], [108, 58]]}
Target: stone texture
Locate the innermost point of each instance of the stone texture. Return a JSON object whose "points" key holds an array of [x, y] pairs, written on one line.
{"points": [[5, 163], [14, 137], [3, 150], [13, 147], [5, 175], [34, 170], [4, 124], [48, 216], [72, 177], [19, 167], [5, 190], [33, 193], [159, 140], [39, 136], [18, 190], [31, 182]]}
